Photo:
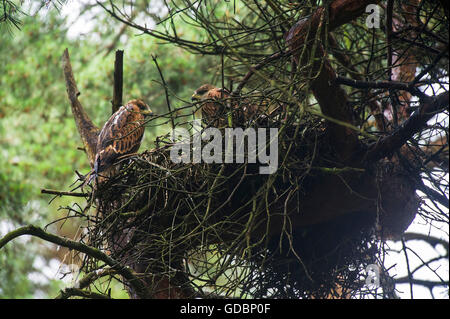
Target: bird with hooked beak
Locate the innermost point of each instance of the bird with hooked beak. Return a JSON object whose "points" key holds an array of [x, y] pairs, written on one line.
{"points": [[213, 104], [121, 135], [216, 103]]}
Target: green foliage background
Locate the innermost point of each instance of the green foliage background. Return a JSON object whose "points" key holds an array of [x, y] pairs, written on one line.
{"points": [[38, 137]]}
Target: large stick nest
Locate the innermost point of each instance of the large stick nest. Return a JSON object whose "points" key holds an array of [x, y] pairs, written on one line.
{"points": [[346, 179], [309, 230]]}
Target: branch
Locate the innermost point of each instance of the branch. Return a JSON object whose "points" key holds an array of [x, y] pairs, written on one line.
{"points": [[425, 283], [87, 130], [345, 60], [76, 292], [389, 10], [390, 85], [59, 193], [166, 91], [199, 47], [85, 282], [414, 124], [432, 194], [126, 272], [332, 99], [436, 153], [119, 34], [431, 65], [118, 81], [333, 102], [339, 12], [252, 70], [433, 241]]}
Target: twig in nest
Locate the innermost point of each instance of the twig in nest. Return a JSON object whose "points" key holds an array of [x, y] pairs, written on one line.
{"points": [[59, 193], [166, 91]]}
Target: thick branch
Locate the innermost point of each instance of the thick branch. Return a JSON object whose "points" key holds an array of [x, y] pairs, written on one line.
{"points": [[87, 130], [339, 13], [433, 241], [436, 153], [118, 81], [345, 60], [427, 283], [76, 292], [260, 65], [85, 282], [165, 91], [126, 272], [414, 124], [402, 64], [333, 102], [431, 193], [331, 97]]}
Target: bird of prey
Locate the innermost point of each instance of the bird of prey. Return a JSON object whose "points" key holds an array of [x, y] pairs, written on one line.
{"points": [[213, 103], [217, 102], [121, 135]]}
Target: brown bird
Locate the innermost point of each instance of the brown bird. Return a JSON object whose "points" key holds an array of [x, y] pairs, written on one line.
{"points": [[121, 135], [216, 102]]}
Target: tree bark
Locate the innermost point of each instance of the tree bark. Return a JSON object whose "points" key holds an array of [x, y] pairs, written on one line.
{"points": [[118, 81], [87, 130]]}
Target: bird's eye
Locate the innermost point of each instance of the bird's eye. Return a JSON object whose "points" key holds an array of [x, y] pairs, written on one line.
{"points": [[143, 107]]}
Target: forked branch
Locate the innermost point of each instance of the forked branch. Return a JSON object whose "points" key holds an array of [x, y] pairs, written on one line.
{"points": [[414, 124]]}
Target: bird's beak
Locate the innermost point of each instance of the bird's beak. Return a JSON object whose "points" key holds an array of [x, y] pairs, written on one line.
{"points": [[147, 113], [195, 97]]}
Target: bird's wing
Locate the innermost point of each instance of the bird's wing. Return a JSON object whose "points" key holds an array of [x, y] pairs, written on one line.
{"points": [[121, 135]]}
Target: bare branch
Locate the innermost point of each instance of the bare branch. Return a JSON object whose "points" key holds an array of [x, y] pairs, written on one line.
{"points": [[118, 81], [415, 123], [389, 85], [87, 130], [59, 193], [126, 272], [76, 292]]}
